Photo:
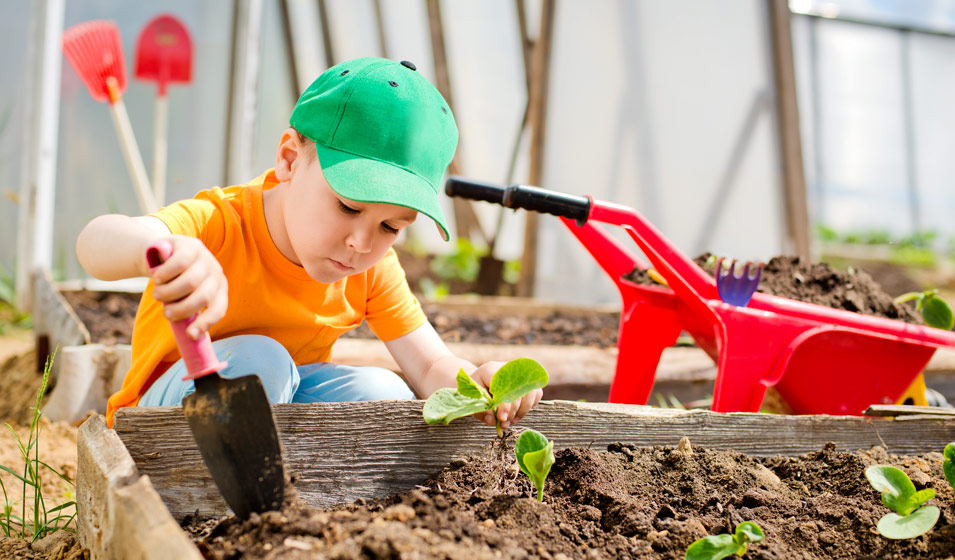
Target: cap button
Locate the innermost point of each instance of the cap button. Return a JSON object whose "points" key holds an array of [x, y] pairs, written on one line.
{"points": [[408, 64]]}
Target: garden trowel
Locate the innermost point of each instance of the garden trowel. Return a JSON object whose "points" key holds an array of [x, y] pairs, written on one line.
{"points": [[231, 421]]}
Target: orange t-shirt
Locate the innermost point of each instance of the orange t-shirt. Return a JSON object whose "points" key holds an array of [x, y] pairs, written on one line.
{"points": [[268, 294]]}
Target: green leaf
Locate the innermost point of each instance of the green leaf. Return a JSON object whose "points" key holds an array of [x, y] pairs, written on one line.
{"points": [[897, 490], [535, 456], [894, 526], [936, 312], [748, 532], [469, 388], [948, 466], [713, 547], [515, 379], [921, 497], [446, 404]]}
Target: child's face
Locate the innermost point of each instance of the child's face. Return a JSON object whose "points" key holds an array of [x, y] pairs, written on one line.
{"points": [[334, 237]]}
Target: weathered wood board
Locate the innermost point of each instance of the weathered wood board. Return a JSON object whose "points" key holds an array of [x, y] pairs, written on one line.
{"points": [[338, 452]]}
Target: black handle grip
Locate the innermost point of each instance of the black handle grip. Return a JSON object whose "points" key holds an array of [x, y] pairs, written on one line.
{"points": [[475, 190], [519, 196], [549, 202]]}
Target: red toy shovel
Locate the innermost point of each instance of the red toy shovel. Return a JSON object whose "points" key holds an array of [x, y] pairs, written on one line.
{"points": [[231, 421], [163, 55]]}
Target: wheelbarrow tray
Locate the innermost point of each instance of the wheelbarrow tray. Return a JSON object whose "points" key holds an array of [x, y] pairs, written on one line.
{"points": [[821, 360]]}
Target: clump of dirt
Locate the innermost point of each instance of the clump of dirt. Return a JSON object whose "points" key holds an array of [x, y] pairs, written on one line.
{"points": [[20, 383], [61, 545], [819, 283], [109, 316], [625, 502]]}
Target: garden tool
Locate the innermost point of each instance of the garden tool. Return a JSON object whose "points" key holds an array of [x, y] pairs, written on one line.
{"points": [[95, 51], [230, 419], [799, 348], [163, 55], [737, 289]]}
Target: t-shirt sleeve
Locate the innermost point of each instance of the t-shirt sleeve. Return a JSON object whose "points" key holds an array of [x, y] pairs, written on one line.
{"points": [[197, 217], [392, 310]]}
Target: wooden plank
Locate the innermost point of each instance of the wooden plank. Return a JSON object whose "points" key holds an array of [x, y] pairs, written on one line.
{"points": [[896, 410], [337, 452], [119, 514]]}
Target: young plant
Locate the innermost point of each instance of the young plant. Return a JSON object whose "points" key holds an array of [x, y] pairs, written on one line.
{"points": [[715, 547], [909, 518], [514, 380], [39, 521], [535, 456], [948, 466], [934, 309]]}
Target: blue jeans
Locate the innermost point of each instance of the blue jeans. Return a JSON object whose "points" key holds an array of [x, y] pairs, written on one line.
{"points": [[284, 382]]}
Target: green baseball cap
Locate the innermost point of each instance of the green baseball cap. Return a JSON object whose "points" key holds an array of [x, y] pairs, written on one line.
{"points": [[382, 132]]}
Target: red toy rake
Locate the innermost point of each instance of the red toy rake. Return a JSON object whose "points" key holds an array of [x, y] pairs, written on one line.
{"points": [[820, 360], [95, 51]]}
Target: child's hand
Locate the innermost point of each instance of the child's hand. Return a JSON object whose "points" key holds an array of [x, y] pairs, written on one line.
{"points": [[507, 413], [190, 283]]}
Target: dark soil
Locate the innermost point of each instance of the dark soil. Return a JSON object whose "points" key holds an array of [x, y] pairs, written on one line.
{"points": [[625, 502], [818, 283], [109, 316]]}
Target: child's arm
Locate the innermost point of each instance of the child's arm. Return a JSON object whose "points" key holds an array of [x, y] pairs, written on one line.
{"points": [[113, 247], [428, 365]]}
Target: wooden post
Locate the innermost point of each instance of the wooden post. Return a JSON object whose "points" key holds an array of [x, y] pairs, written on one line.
{"points": [[289, 50], [537, 117], [787, 111], [465, 219], [380, 22], [326, 34], [35, 219]]}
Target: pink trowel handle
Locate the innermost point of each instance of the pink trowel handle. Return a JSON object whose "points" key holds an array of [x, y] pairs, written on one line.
{"points": [[198, 355]]}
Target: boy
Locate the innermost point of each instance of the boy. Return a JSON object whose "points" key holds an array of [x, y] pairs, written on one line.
{"points": [[277, 269]]}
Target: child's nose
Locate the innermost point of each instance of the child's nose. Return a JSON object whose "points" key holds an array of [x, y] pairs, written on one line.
{"points": [[360, 240]]}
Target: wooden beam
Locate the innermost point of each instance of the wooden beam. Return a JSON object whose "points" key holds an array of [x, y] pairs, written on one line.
{"points": [[537, 119], [790, 143], [338, 452], [326, 27], [465, 218]]}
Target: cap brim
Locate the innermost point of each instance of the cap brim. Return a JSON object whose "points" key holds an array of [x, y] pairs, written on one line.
{"points": [[367, 180]]}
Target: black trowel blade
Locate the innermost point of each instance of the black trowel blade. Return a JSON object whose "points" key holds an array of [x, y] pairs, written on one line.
{"points": [[233, 426]]}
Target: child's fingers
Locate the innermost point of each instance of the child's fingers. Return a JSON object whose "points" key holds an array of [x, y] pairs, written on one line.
{"points": [[210, 315], [528, 402], [192, 303]]}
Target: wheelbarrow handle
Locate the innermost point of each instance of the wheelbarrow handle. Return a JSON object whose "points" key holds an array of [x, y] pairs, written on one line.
{"points": [[520, 196]]}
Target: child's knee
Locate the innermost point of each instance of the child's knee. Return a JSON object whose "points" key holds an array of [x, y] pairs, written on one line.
{"points": [[262, 356]]}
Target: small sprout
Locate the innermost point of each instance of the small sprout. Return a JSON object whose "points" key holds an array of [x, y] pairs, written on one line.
{"points": [[934, 309], [535, 456], [514, 380], [948, 466], [715, 547], [909, 518]]}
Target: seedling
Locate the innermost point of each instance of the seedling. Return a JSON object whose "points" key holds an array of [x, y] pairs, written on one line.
{"points": [[535, 456], [514, 380], [715, 547], [35, 520], [948, 466], [909, 518], [934, 309]]}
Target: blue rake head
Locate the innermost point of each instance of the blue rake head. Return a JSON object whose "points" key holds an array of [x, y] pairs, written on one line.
{"points": [[737, 289]]}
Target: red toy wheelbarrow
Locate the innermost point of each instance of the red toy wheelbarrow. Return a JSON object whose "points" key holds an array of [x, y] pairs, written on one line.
{"points": [[820, 360]]}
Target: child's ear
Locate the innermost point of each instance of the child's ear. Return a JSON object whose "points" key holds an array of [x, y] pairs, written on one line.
{"points": [[288, 151]]}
